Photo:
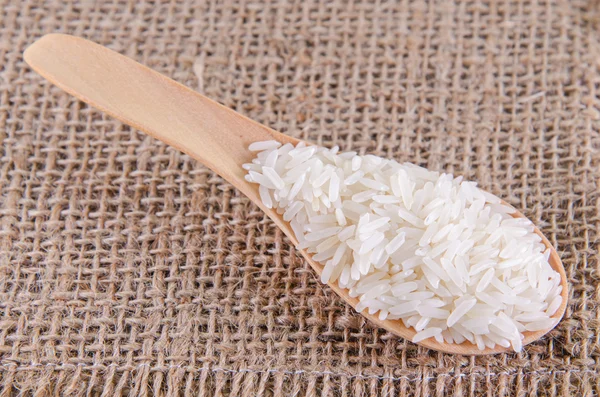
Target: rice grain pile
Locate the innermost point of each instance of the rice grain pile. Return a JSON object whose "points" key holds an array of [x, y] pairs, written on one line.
{"points": [[431, 250]]}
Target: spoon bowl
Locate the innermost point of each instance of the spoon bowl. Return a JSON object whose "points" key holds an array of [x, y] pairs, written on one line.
{"points": [[207, 131]]}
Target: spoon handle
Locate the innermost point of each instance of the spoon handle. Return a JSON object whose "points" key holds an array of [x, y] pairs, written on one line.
{"points": [[146, 100]]}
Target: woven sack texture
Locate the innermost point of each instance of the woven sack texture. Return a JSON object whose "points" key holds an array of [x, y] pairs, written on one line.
{"points": [[126, 268]]}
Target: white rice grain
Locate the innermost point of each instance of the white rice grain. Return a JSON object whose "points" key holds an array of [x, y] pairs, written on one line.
{"points": [[460, 311], [264, 145], [426, 334]]}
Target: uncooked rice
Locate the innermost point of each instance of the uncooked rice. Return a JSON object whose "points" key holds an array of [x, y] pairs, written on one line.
{"points": [[423, 247]]}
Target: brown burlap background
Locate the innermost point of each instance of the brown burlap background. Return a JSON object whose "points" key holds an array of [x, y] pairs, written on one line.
{"points": [[127, 268]]}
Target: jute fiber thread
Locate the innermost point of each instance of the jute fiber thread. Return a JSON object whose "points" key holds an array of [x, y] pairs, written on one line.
{"points": [[126, 268]]}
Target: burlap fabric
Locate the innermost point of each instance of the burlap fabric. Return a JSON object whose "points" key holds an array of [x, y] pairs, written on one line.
{"points": [[129, 269]]}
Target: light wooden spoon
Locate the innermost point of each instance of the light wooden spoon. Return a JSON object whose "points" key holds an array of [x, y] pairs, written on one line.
{"points": [[211, 133]]}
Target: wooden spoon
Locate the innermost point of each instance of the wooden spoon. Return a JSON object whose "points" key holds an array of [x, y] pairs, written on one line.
{"points": [[211, 133]]}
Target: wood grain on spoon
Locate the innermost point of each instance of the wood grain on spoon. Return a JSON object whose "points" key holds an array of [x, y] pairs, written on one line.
{"points": [[209, 132]]}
